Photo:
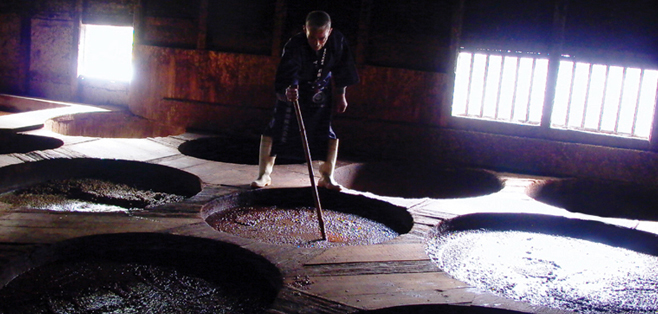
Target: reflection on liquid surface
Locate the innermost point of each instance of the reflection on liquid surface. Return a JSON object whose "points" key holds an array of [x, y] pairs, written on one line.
{"points": [[554, 271]]}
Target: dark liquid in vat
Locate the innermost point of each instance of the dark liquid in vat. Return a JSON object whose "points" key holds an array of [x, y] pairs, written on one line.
{"points": [[86, 195], [553, 271], [99, 286], [299, 226]]}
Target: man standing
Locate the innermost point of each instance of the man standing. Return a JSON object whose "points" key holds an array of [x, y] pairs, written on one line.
{"points": [[316, 68]]}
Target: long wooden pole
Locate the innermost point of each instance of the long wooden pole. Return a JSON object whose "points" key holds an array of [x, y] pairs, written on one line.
{"points": [[307, 151]]}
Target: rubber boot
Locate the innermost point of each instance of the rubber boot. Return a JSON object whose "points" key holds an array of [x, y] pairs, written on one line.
{"points": [[265, 163], [327, 168]]}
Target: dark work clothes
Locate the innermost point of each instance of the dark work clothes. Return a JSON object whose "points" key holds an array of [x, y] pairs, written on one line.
{"points": [[299, 66]]}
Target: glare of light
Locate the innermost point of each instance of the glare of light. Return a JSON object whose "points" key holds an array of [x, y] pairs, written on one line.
{"points": [[505, 106], [522, 96], [477, 84], [462, 77], [592, 97], [562, 93], [612, 98], [106, 52], [493, 81], [538, 90], [578, 95], [646, 104], [629, 100]]}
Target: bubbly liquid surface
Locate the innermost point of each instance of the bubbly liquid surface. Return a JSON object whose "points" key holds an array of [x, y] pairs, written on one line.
{"points": [[112, 287], [85, 195], [554, 271], [300, 226]]}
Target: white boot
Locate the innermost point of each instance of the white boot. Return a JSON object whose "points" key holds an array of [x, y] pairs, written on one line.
{"points": [[265, 163], [327, 168]]}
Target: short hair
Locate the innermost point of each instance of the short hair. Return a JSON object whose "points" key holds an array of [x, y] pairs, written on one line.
{"points": [[318, 19]]}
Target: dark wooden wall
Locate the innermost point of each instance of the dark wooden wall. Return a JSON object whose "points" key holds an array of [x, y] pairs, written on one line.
{"points": [[209, 65]]}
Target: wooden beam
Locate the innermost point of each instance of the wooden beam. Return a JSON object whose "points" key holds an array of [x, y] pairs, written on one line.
{"points": [[280, 14], [363, 33], [75, 43], [455, 41], [559, 23], [202, 40], [25, 46], [138, 22]]}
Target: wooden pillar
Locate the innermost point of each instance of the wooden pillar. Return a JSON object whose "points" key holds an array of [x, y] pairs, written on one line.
{"points": [[455, 41], [202, 40], [653, 136], [138, 22], [75, 47], [555, 49], [363, 33], [26, 42], [280, 15]]}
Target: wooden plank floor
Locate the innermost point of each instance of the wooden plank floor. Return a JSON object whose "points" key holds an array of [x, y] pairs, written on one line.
{"points": [[334, 280]]}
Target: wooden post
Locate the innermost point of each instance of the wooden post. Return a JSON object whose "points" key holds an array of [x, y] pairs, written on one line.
{"points": [[559, 22], [363, 34], [202, 40], [138, 23], [455, 41], [75, 51], [26, 43], [280, 14]]}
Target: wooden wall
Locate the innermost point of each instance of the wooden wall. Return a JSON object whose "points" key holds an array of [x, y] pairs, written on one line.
{"points": [[209, 65]]}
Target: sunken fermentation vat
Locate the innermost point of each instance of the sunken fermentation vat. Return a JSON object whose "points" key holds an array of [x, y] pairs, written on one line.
{"points": [[139, 273], [111, 124], [230, 149], [11, 143], [600, 198], [287, 216], [137, 176], [418, 180], [439, 308], [555, 262]]}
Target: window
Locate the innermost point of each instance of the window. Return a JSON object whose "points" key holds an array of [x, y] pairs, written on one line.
{"points": [[105, 52], [510, 87], [567, 70], [604, 99], [503, 86]]}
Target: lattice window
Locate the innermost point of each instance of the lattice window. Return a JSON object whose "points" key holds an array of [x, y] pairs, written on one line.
{"points": [[508, 86]]}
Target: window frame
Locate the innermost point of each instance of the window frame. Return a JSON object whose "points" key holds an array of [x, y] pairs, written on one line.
{"points": [[555, 49]]}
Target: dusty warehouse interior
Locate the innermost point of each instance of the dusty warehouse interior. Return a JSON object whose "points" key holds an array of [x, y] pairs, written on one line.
{"points": [[496, 156]]}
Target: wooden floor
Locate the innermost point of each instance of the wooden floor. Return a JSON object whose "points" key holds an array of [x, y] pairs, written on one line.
{"points": [[334, 280]]}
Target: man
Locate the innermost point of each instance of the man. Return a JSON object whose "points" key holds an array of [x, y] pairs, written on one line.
{"points": [[312, 60]]}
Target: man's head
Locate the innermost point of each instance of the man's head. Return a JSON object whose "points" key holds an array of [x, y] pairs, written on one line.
{"points": [[317, 29]]}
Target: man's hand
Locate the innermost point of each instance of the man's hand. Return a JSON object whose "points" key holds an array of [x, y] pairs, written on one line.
{"points": [[292, 93], [341, 103]]}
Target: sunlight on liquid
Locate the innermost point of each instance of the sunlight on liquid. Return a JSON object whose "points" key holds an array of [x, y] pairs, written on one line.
{"points": [[554, 271]]}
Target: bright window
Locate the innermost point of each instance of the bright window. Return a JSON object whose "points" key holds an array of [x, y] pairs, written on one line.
{"points": [[510, 86], [105, 52], [506, 87], [605, 99]]}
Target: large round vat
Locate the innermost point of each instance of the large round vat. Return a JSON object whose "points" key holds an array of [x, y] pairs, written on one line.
{"points": [[603, 198], [566, 264], [139, 273], [418, 180], [287, 216], [11, 143], [126, 184], [110, 124], [230, 149], [439, 308]]}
